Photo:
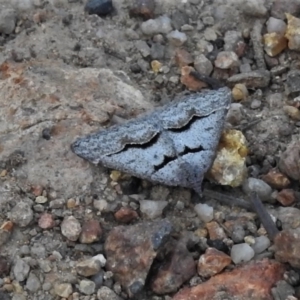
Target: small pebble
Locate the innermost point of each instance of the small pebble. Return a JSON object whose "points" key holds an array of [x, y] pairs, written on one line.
{"points": [[263, 190], [254, 8], [88, 267], [105, 293], [143, 8], [238, 233], [203, 65], [70, 228], [276, 25], [20, 270], [125, 215], [241, 253], [91, 232], [227, 60], [41, 199], [261, 244], [87, 287], [99, 7], [177, 38], [152, 209], [22, 214], [204, 212], [8, 18], [46, 221], [63, 290], [161, 24]]}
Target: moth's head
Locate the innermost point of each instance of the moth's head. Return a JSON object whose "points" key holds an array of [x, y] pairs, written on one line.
{"points": [[83, 148]]}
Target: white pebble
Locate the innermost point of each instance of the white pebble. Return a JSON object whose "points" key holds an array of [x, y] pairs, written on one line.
{"points": [[204, 212], [152, 209], [241, 253], [263, 190], [177, 38], [276, 25], [261, 244], [101, 259], [158, 25]]}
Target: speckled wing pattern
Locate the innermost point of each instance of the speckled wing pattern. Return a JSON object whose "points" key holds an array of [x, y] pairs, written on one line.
{"points": [[174, 145]]}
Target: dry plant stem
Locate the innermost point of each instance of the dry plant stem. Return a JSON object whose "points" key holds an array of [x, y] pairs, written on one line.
{"points": [[227, 200], [264, 216], [256, 39]]}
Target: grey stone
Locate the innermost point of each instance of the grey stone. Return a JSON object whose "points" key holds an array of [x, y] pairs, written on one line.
{"points": [[20, 270], [70, 228], [105, 293], [21, 214], [88, 267], [8, 19], [87, 287], [33, 283]]}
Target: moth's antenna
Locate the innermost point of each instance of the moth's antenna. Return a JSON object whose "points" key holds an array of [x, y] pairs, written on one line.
{"points": [[264, 216], [214, 83]]}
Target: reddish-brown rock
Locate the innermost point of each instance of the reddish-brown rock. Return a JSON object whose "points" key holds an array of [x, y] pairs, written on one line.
{"points": [[130, 251], [215, 231], [250, 281], [177, 267], [286, 197], [91, 232], [276, 179], [46, 221], [190, 81], [126, 215], [287, 247], [183, 58], [212, 262]]}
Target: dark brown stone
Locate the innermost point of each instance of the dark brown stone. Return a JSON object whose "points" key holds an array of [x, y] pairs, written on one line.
{"points": [[91, 232], [130, 251], [286, 197], [177, 267], [126, 215]]}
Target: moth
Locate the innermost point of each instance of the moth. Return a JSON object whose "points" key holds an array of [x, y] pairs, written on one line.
{"points": [[174, 145]]}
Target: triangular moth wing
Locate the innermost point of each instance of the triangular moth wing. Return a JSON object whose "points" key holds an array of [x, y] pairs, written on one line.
{"points": [[174, 145]]}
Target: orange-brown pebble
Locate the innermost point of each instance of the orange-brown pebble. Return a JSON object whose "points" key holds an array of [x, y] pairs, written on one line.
{"points": [[276, 179], [240, 283], [275, 43], [215, 231], [212, 262], [286, 197], [91, 232], [183, 58], [126, 215], [71, 203], [7, 226], [189, 81]]}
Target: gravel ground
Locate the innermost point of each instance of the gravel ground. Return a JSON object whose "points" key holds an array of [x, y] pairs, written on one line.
{"points": [[72, 230]]}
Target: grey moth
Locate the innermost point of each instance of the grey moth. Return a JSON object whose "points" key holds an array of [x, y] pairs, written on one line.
{"points": [[173, 145]]}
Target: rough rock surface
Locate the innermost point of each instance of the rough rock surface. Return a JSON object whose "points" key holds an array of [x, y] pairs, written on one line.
{"points": [[131, 250]]}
